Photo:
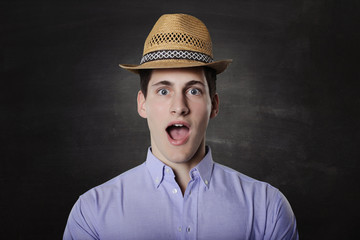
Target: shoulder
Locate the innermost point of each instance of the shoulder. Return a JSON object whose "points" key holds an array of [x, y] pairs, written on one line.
{"points": [[238, 179], [101, 201], [269, 206], [250, 191], [116, 185]]}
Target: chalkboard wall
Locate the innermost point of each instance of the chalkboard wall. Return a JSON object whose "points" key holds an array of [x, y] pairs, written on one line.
{"points": [[289, 111]]}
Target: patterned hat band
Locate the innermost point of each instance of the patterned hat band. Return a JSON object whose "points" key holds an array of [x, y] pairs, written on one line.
{"points": [[178, 41], [176, 54]]}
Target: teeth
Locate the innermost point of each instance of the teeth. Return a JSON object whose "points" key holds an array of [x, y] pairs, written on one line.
{"points": [[178, 125]]}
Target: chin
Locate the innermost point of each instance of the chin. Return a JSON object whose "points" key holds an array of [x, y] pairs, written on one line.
{"points": [[183, 154], [179, 157]]}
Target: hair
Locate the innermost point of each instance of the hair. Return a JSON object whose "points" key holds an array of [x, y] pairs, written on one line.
{"points": [[210, 75]]}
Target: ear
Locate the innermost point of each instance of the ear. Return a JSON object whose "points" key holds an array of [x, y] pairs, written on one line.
{"points": [[141, 104], [215, 106]]}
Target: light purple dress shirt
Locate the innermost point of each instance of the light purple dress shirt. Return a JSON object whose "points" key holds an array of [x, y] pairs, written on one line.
{"points": [[146, 203]]}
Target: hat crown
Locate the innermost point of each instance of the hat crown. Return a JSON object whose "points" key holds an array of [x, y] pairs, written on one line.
{"points": [[179, 32], [178, 41]]}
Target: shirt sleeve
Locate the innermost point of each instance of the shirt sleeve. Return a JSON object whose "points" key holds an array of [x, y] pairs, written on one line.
{"points": [[282, 222], [80, 224]]}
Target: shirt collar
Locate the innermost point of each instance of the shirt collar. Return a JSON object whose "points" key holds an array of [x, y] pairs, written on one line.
{"points": [[157, 167], [205, 167]]}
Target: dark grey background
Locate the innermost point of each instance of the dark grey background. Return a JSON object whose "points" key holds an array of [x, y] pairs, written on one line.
{"points": [[289, 104]]}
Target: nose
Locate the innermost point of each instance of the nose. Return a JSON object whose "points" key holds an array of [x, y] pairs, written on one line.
{"points": [[179, 105]]}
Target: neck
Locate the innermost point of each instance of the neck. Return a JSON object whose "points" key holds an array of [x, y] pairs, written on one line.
{"points": [[182, 169]]}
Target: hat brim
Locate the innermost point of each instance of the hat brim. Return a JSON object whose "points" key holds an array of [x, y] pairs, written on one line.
{"points": [[218, 66]]}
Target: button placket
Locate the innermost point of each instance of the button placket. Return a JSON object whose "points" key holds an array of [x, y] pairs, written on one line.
{"points": [[174, 193], [189, 219]]}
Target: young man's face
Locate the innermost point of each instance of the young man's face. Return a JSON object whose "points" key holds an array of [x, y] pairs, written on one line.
{"points": [[178, 108]]}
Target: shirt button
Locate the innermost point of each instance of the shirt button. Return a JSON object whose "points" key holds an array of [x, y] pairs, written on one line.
{"points": [[206, 182], [167, 170], [179, 229], [188, 229], [174, 191]]}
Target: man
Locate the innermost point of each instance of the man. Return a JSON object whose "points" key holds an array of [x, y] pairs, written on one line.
{"points": [[179, 192]]}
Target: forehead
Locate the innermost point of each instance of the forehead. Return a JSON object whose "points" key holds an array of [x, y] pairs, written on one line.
{"points": [[178, 75]]}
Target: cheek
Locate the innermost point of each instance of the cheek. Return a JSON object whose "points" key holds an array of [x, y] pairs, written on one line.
{"points": [[202, 108], [202, 116], [155, 109]]}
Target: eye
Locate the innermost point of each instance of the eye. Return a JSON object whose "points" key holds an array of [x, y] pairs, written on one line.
{"points": [[194, 91], [163, 92]]}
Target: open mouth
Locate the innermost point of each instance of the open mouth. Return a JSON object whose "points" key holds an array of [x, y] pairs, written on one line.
{"points": [[178, 133]]}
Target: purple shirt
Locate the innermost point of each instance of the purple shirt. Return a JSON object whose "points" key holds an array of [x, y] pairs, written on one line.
{"points": [[146, 203]]}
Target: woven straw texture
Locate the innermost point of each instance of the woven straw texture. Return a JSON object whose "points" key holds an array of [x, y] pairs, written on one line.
{"points": [[178, 41], [179, 32]]}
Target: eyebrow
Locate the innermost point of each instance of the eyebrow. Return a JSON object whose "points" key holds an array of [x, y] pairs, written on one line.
{"points": [[194, 82], [168, 83]]}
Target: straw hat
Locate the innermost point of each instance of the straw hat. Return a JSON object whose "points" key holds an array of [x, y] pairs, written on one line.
{"points": [[178, 41]]}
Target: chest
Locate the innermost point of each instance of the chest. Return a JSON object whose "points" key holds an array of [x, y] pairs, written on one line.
{"points": [[166, 213]]}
